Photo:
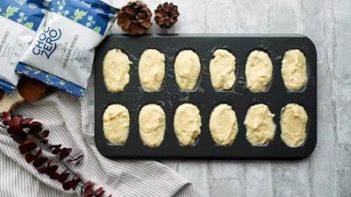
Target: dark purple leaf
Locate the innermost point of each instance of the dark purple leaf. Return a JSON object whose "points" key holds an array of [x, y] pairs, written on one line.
{"points": [[40, 161], [99, 192], [29, 157], [38, 154], [27, 146], [17, 139], [72, 184], [51, 169], [35, 129], [15, 130], [45, 133], [26, 122], [15, 121], [54, 176], [36, 123], [64, 153], [56, 151], [63, 177], [88, 185], [42, 170], [67, 185], [5, 115]]}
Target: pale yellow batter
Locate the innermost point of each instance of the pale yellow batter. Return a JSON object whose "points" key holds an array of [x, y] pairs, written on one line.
{"points": [[293, 125], [294, 70], [152, 125], [116, 124], [223, 125], [116, 68], [222, 69], [152, 70], [258, 71], [187, 69], [260, 128], [187, 124]]}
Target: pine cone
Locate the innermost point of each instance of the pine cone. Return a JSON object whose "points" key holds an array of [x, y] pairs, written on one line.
{"points": [[134, 18], [166, 15]]}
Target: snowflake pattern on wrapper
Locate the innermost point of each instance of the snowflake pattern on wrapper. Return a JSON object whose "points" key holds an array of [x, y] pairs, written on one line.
{"points": [[28, 13], [90, 13]]}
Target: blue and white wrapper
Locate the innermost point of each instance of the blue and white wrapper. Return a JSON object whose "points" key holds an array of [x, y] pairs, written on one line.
{"points": [[19, 21], [62, 52]]}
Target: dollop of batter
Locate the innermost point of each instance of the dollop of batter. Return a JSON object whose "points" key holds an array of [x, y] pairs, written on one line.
{"points": [[152, 125], [116, 68], [222, 69], [187, 69], [152, 70], [294, 70], [293, 125], [258, 71], [187, 124], [116, 124], [260, 128], [223, 125]]}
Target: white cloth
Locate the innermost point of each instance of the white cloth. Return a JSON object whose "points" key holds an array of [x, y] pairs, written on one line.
{"points": [[69, 123]]}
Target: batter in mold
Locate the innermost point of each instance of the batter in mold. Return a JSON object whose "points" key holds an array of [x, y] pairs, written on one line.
{"points": [[152, 70], [222, 69], [187, 69], [116, 68], [258, 71], [152, 125], [293, 125], [294, 70], [187, 124], [260, 128], [223, 125], [116, 124]]}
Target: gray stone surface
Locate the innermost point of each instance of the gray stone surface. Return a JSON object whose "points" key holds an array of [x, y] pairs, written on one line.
{"points": [[328, 23]]}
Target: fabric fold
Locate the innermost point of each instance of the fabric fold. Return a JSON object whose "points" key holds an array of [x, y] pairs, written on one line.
{"points": [[68, 120]]}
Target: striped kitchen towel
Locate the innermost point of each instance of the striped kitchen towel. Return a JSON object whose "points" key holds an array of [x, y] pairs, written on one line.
{"points": [[67, 118]]}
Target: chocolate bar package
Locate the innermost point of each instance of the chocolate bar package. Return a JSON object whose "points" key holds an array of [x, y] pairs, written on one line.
{"points": [[62, 52], [19, 21]]}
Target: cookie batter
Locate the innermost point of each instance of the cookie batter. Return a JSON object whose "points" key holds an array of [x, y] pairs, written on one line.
{"points": [[222, 69], [116, 124], [152, 70], [152, 125], [260, 128], [223, 125], [187, 124], [294, 70], [293, 125], [187, 69], [116, 68], [258, 71]]}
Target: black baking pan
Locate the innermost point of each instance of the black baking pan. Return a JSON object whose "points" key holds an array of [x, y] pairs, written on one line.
{"points": [[205, 97]]}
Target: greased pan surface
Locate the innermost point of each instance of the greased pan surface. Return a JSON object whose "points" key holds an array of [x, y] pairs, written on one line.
{"points": [[205, 97]]}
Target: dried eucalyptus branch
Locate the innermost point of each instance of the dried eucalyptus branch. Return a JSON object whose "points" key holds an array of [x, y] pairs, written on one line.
{"points": [[32, 139]]}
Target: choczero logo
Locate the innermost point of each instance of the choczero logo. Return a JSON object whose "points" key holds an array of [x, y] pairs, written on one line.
{"points": [[46, 43]]}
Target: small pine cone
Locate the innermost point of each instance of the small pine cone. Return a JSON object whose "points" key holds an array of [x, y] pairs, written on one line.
{"points": [[134, 18], [166, 15]]}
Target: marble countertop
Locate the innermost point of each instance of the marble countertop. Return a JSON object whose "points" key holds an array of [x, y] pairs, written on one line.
{"points": [[327, 172]]}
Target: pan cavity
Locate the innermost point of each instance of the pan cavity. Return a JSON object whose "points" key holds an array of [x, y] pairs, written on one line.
{"points": [[116, 68], [258, 71], [187, 69], [222, 70], [152, 70], [116, 122], [294, 70]]}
